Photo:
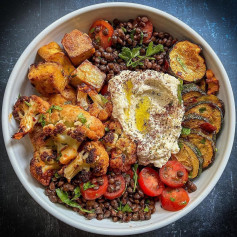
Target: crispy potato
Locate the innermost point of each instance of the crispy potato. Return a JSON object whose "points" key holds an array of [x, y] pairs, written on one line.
{"points": [[78, 46], [63, 60], [47, 50], [89, 74], [48, 78], [69, 93]]}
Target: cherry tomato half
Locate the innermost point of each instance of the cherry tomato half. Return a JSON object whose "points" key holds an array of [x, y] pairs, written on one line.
{"points": [[148, 30], [173, 174], [119, 192], [92, 194], [150, 183], [103, 37], [174, 199]]}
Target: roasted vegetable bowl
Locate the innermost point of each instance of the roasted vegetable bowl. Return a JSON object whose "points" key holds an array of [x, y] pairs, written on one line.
{"points": [[88, 154]]}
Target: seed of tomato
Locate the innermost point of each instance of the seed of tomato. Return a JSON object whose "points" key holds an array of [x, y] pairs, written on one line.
{"points": [[150, 182], [173, 174], [174, 199]]}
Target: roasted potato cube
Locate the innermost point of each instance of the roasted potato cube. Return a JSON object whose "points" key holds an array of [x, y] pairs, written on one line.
{"points": [[78, 46], [47, 50], [69, 93], [64, 61], [89, 74], [48, 78]]}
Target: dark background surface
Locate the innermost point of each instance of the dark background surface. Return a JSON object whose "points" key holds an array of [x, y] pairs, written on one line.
{"points": [[21, 21]]}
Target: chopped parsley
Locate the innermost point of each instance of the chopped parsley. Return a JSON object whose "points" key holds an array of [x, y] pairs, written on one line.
{"points": [[82, 118], [133, 33], [180, 145], [185, 131], [19, 96], [92, 30], [172, 199], [135, 176], [202, 109], [106, 129], [59, 155], [65, 199], [88, 185], [183, 203], [109, 39], [42, 120], [104, 100], [124, 30], [126, 208], [56, 175], [141, 38], [146, 209], [77, 193], [56, 107], [203, 141], [190, 175], [27, 103]]}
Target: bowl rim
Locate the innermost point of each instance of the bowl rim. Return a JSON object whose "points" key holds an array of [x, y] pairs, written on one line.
{"points": [[87, 227]]}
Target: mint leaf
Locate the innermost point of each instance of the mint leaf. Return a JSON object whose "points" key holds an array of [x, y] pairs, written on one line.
{"points": [[65, 199]]}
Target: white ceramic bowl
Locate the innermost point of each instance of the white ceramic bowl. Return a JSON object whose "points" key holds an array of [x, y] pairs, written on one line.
{"points": [[20, 152]]}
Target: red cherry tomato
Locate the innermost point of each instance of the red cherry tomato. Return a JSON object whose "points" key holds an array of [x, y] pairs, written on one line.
{"points": [[119, 192], [169, 174], [92, 194], [148, 30], [150, 183], [104, 89], [103, 39], [208, 127], [174, 199]]}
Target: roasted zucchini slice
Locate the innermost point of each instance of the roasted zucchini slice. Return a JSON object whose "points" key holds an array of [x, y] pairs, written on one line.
{"points": [[185, 61], [191, 91], [213, 99], [194, 121], [190, 157], [204, 144], [208, 110]]}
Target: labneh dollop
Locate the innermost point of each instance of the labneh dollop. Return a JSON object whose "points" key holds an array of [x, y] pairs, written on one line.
{"points": [[149, 109]]}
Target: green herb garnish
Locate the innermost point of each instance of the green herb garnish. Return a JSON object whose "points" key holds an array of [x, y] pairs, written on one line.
{"points": [[180, 61], [109, 39], [65, 199], [203, 141], [180, 145], [19, 96], [92, 30], [56, 107], [119, 208], [42, 120], [172, 199], [185, 131], [56, 175], [201, 110], [183, 203], [59, 155], [135, 177], [146, 209], [133, 58], [141, 38], [104, 100], [27, 103], [88, 185], [106, 129], [124, 30], [133, 33], [77, 193], [82, 118], [126, 208]]}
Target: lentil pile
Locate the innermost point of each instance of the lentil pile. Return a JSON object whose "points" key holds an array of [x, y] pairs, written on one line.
{"points": [[139, 206], [128, 34]]}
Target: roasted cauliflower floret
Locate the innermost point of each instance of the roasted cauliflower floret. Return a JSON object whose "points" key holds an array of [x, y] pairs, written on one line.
{"points": [[100, 107], [43, 170], [44, 163], [27, 110], [77, 122], [122, 149], [93, 157]]}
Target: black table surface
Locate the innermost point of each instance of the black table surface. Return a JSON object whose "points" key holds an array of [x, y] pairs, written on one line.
{"points": [[21, 21]]}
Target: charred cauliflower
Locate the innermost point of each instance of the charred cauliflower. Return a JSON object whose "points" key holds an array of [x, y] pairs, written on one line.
{"points": [[93, 157], [44, 163], [100, 107], [122, 149], [27, 110]]}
